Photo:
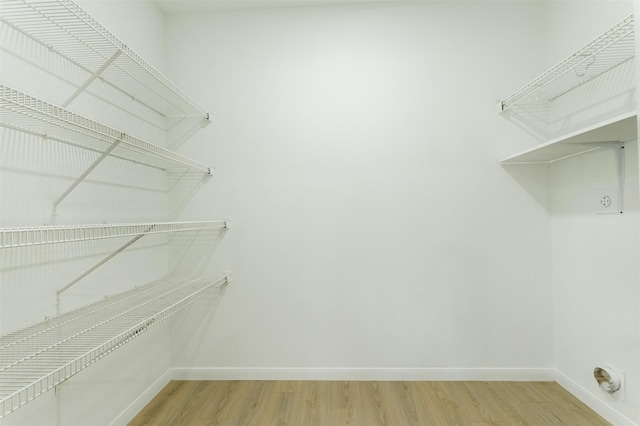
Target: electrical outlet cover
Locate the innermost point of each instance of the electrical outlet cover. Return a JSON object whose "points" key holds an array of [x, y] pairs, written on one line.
{"points": [[605, 200]]}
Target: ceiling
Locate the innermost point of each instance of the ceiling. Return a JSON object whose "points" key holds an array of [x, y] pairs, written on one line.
{"points": [[200, 6]]}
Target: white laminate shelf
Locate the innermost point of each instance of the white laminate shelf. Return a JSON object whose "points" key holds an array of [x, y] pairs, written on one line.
{"points": [[27, 113], [69, 31], [606, 133], [611, 49], [42, 356], [33, 236]]}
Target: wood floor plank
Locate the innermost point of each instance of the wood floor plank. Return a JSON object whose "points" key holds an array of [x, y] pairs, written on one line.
{"points": [[216, 408], [427, 404], [371, 406], [214, 399], [333, 403], [280, 409], [499, 404], [558, 413], [438, 405], [184, 413], [526, 391], [316, 397], [470, 408], [345, 403], [289, 386], [163, 405], [398, 397], [251, 403], [555, 402], [448, 404]]}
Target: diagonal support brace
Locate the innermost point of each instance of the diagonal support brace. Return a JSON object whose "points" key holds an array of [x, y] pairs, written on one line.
{"points": [[92, 78], [97, 265], [86, 173]]}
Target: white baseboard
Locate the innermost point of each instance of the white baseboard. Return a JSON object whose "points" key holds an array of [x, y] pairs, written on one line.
{"points": [[382, 374], [136, 406], [592, 401]]}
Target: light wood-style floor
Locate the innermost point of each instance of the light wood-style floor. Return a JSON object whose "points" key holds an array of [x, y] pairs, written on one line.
{"points": [[326, 403]]}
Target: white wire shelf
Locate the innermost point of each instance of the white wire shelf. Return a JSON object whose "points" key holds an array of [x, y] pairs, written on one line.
{"points": [[609, 132], [23, 112], [32, 236], [611, 49], [40, 357], [67, 30]]}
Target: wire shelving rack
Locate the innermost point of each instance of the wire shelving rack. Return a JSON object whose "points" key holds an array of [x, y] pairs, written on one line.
{"points": [[27, 113], [40, 357], [32, 236], [67, 30], [611, 49], [35, 359]]}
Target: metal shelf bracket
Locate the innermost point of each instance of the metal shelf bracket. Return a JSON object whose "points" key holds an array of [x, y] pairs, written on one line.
{"points": [[91, 79], [25, 237], [77, 182], [99, 264], [620, 160]]}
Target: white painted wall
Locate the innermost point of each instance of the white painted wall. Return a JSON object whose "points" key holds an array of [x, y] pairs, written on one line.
{"points": [[595, 257], [596, 274], [356, 151], [356, 154], [33, 173]]}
